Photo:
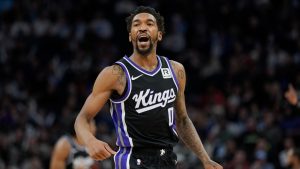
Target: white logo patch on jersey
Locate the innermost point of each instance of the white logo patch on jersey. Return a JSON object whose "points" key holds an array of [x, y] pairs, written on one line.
{"points": [[148, 100], [166, 73]]}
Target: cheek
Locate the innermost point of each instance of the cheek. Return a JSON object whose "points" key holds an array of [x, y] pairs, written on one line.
{"points": [[133, 36]]}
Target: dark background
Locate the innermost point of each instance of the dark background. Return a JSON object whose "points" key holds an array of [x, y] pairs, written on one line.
{"points": [[239, 58]]}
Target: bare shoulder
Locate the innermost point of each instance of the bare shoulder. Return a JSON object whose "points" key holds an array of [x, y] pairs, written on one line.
{"points": [[116, 69], [176, 64], [63, 143], [113, 71], [110, 78], [61, 149], [178, 69], [60, 152]]}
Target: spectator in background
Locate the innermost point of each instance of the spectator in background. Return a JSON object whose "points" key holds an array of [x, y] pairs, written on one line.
{"points": [[51, 52], [69, 153], [261, 161], [239, 161], [283, 158], [293, 158], [291, 96]]}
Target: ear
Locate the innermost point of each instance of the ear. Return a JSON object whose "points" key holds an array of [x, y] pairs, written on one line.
{"points": [[129, 37], [160, 35]]}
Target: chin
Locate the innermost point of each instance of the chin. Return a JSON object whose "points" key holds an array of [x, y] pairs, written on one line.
{"points": [[145, 51]]}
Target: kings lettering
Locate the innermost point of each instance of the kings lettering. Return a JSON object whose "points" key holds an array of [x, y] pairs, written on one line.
{"points": [[148, 100]]}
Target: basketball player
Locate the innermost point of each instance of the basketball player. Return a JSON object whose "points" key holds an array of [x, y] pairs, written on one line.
{"points": [[293, 158], [146, 93], [69, 153]]}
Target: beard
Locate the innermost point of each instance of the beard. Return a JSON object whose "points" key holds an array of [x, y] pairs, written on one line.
{"points": [[144, 52]]}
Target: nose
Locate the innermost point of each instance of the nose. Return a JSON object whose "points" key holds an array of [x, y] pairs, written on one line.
{"points": [[143, 28], [142, 31]]}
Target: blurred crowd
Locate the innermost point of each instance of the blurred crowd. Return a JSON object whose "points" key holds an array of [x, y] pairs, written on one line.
{"points": [[239, 57]]}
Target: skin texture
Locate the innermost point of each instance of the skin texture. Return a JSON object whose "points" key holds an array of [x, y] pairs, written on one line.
{"points": [[113, 79], [292, 159], [291, 95], [144, 25], [60, 154], [185, 127]]}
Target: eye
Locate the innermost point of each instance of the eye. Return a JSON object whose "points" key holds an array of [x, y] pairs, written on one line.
{"points": [[135, 24], [150, 24]]}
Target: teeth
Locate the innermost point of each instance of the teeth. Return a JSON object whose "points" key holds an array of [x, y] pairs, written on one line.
{"points": [[143, 36]]}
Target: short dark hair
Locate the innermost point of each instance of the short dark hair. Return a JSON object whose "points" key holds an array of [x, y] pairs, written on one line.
{"points": [[145, 9]]}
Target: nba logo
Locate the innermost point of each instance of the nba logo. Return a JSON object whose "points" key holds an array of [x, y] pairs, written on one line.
{"points": [[166, 73]]}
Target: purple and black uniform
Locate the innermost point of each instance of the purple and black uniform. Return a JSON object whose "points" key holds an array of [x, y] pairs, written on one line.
{"points": [[144, 115]]}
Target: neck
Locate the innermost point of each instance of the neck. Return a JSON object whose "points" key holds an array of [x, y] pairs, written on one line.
{"points": [[149, 56], [148, 62]]}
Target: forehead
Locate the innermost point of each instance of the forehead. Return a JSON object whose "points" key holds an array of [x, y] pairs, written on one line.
{"points": [[143, 17]]}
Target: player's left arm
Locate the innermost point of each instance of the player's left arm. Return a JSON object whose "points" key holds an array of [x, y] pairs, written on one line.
{"points": [[184, 125]]}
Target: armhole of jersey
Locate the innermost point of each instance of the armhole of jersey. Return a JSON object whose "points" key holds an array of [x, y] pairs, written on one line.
{"points": [[128, 84], [173, 73], [69, 139]]}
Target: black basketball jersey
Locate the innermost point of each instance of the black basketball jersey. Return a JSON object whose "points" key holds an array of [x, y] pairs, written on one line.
{"points": [[144, 116], [78, 156]]}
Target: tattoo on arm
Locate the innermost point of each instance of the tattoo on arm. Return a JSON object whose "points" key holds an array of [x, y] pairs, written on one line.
{"points": [[189, 136], [181, 74], [118, 71], [181, 78], [185, 127]]}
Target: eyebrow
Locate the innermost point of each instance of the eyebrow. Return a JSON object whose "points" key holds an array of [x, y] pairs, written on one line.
{"points": [[138, 20]]}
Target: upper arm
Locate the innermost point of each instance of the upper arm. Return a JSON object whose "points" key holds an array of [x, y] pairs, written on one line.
{"points": [[60, 154], [180, 100], [110, 79]]}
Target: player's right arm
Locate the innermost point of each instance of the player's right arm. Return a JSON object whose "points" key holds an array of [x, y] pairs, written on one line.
{"points": [[60, 154], [110, 79]]}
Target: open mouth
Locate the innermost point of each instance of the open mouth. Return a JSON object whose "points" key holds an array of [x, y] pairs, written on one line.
{"points": [[143, 38]]}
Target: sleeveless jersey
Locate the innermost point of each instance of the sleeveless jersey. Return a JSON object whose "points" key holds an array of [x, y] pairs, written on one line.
{"points": [[78, 156], [144, 116]]}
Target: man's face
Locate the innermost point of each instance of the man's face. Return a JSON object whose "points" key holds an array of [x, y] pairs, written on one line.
{"points": [[144, 33]]}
